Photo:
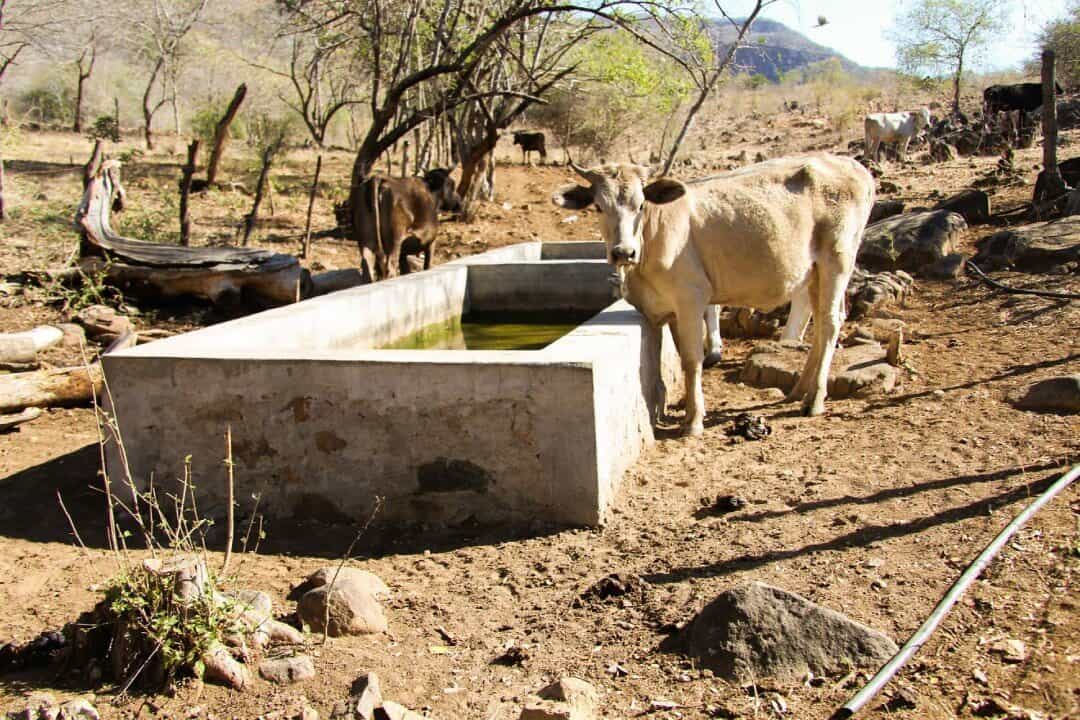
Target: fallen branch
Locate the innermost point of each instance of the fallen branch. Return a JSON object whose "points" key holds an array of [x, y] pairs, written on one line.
{"points": [[974, 269], [20, 349], [61, 387]]}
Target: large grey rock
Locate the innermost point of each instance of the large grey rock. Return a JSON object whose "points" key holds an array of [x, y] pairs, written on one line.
{"points": [[287, 670], [758, 631], [909, 241], [949, 267], [1059, 394], [856, 371], [867, 291], [885, 209], [972, 205], [1031, 248]]}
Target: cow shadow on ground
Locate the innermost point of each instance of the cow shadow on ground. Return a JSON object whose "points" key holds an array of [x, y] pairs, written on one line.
{"points": [[1018, 370], [31, 509], [861, 537]]}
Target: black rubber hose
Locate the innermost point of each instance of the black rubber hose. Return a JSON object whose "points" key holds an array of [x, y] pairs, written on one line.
{"points": [[973, 268]]}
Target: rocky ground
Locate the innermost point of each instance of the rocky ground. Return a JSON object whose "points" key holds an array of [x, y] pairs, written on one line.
{"points": [[871, 510]]}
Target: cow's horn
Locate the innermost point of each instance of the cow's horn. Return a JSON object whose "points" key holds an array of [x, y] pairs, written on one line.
{"points": [[589, 175]]}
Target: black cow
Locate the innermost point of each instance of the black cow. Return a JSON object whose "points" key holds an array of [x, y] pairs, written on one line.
{"points": [[530, 142], [1023, 97]]}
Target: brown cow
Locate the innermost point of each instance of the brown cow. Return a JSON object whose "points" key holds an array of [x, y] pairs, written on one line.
{"points": [[407, 212]]}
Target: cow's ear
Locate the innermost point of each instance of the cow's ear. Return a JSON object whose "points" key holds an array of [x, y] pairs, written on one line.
{"points": [[664, 190], [573, 197]]}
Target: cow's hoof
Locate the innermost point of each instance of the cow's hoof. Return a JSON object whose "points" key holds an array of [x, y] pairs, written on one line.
{"points": [[813, 409], [713, 358], [693, 430]]}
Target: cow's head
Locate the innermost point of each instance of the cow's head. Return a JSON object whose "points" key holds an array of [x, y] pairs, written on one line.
{"points": [[443, 189], [922, 118], [620, 191]]}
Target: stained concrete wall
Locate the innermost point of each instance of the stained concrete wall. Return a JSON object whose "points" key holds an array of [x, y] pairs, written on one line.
{"points": [[321, 425]]}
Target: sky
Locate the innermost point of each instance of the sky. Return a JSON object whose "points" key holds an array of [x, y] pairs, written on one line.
{"points": [[857, 28]]}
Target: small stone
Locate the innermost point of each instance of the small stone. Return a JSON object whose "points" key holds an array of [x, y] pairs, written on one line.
{"points": [[287, 670], [617, 670], [1011, 650], [393, 711], [874, 563], [367, 695], [308, 713], [879, 584], [980, 677], [939, 394], [353, 610]]}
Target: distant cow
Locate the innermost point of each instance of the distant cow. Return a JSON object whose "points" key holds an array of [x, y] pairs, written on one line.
{"points": [[897, 128], [1023, 97], [530, 142], [407, 211]]}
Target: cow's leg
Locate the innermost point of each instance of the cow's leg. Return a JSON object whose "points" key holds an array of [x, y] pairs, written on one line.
{"points": [[902, 150], [830, 316], [798, 316], [715, 344], [428, 250], [802, 384], [395, 257], [688, 330]]}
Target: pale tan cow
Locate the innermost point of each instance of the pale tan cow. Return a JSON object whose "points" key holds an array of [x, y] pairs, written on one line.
{"points": [[755, 237]]}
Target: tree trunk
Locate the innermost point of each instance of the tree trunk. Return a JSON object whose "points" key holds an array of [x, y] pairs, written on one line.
{"points": [[92, 165], [3, 205], [84, 75], [1049, 185], [221, 133], [311, 207], [405, 159], [956, 86], [185, 192], [251, 218], [116, 116]]}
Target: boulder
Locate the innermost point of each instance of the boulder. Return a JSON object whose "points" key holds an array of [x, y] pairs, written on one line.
{"points": [[949, 267], [392, 711], [1031, 248], [867, 291], [856, 371], [909, 241], [1059, 394], [102, 323], [941, 151], [353, 610], [885, 209], [287, 670], [369, 582], [972, 205], [757, 631]]}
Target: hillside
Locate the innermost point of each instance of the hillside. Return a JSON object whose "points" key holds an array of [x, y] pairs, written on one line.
{"points": [[773, 48]]}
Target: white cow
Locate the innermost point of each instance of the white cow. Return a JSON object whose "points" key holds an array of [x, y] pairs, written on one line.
{"points": [[754, 237], [898, 127]]}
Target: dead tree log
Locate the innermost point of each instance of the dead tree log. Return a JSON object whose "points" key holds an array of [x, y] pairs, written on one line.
{"points": [[91, 166], [156, 272], [19, 350], [185, 192], [221, 134], [61, 387]]}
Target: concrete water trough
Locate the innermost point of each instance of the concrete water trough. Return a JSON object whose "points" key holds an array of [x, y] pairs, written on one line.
{"points": [[323, 420]]}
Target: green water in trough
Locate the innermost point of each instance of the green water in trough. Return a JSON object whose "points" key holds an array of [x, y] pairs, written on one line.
{"points": [[532, 331]]}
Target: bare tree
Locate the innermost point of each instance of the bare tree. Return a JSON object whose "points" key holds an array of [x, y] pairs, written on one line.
{"points": [[526, 64], [936, 35], [85, 66], [324, 78], [159, 29], [29, 24]]}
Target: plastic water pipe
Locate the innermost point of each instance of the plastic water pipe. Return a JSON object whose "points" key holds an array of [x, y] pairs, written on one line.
{"points": [[886, 673]]}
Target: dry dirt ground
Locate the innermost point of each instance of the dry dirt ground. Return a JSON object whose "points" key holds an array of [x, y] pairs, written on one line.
{"points": [[872, 510]]}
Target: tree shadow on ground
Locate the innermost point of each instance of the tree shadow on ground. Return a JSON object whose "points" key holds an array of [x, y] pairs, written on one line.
{"points": [[898, 492], [862, 537], [30, 510]]}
